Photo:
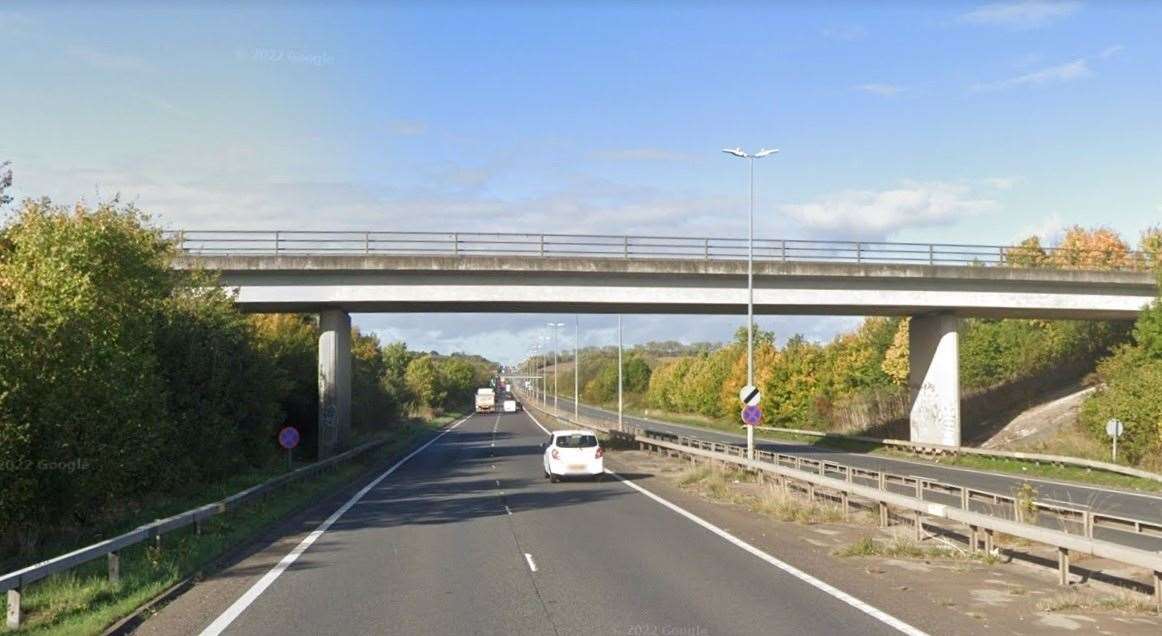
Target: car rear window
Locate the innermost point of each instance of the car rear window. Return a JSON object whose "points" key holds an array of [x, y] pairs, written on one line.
{"points": [[576, 441]]}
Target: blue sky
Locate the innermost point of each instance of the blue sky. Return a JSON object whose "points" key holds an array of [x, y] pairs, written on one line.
{"points": [[957, 122]]}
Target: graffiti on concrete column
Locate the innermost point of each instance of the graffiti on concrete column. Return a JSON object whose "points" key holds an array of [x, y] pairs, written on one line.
{"points": [[931, 413]]}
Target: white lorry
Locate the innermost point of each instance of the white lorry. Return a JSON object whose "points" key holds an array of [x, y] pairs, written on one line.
{"points": [[485, 400]]}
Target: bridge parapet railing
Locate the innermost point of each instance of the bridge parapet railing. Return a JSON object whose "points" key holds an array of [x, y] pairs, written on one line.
{"points": [[469, 244]]}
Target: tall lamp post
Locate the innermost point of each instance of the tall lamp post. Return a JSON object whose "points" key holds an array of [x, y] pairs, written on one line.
{"points": [[555, 326], [750, 159], [620, 426], [577, 369]]}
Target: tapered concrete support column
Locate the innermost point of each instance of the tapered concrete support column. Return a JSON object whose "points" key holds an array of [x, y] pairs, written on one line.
{"points": [[334, 381], [934, 379]]}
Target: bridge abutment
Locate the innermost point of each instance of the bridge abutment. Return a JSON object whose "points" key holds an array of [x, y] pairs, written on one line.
{"points": [[334, 381], [934, 379]]}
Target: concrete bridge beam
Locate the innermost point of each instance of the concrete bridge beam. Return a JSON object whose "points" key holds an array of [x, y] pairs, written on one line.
{"points": [[934, 379], [334, 381]]}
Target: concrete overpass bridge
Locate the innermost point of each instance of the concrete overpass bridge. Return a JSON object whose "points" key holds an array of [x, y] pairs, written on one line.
{"points": [[336, 273]]}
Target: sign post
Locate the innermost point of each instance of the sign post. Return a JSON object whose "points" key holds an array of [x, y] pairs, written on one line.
{"points": [[1114, 429], [751, 414], [288, 438]]}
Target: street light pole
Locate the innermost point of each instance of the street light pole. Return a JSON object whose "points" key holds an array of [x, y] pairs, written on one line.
{"points": [[620, 425], [738, 152], [577, 369], [556, 385]]}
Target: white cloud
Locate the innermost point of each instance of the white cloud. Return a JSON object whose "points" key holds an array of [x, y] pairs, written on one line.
{"points": [[1025, 14], [1111, 51], [883, 90], [639, 154], [1002, 183], [1049, 229], [877, 214], [1068, 72]]}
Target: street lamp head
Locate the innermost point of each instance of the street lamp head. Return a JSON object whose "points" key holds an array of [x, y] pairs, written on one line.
{"points": [[765, 153], [737, 152]]}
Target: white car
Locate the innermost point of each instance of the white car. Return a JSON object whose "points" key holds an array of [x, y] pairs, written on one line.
{"points": [[573, 454]]}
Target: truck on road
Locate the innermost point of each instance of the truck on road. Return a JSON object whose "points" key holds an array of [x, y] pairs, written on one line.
{"points": [[485, 400]]}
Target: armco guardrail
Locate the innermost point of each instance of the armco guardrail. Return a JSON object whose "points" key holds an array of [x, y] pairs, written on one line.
{"points": [[15, 582], [1006, 513], [299, 242], [937, 449]]}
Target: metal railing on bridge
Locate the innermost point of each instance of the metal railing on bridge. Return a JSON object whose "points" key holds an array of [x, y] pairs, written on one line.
{"points": [[457, 244]]}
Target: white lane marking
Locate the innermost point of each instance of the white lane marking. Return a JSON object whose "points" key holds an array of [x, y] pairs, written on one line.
{"points": [[537, 422], [532, 564], [234, 611], [875, 613]]}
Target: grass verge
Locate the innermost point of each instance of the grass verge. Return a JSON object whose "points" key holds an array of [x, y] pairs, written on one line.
{"points": [[719, 485], [1073, 600], [902, 548], [83, 601]]}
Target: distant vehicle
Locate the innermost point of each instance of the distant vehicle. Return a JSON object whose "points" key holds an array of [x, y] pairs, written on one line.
{"points": [[511, 406], [573, 454], [485, 400]]}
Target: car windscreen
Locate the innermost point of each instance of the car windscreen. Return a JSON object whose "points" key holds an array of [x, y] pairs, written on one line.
{"points": [[576, 441]]}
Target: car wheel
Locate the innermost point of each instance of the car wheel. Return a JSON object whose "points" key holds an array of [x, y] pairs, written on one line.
{"points": [[553, 478]]}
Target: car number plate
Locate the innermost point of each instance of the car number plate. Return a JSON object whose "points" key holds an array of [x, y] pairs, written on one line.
{"points": [[577, 466]]}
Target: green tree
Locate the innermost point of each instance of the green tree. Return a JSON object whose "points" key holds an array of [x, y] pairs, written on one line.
{"points": [[423, 380]]}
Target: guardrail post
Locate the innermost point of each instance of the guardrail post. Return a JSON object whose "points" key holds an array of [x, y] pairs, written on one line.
{"points": [[964, 499], [542, 238], [988, 541], [931, 254], [625, 245], [859, 252], [844, 503], [972, 540], [883, 481], [783, 250], [883, 514], [706, 248], [455, 244], [14, 613], [277, 240], [114, 567], [1062, 566], [1158, 589], [182, 240], [1087, 520], [367, 242]]}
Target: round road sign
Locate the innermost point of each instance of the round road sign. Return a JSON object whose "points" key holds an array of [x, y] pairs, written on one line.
{"points": [[288, 437], [1114, 428], [749, 395], [752, 415]]}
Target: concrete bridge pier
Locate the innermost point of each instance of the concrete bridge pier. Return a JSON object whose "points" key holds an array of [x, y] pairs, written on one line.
{"points": [[934, 379], [334, 381]]}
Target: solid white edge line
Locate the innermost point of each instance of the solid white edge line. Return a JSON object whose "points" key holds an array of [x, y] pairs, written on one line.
{"points": [[875, 613], [235, 610], [532, 564], [537, 422]]}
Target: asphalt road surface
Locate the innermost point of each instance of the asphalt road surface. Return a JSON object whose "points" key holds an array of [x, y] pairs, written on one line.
{"points": [[1117, 502], [468, 537]]}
